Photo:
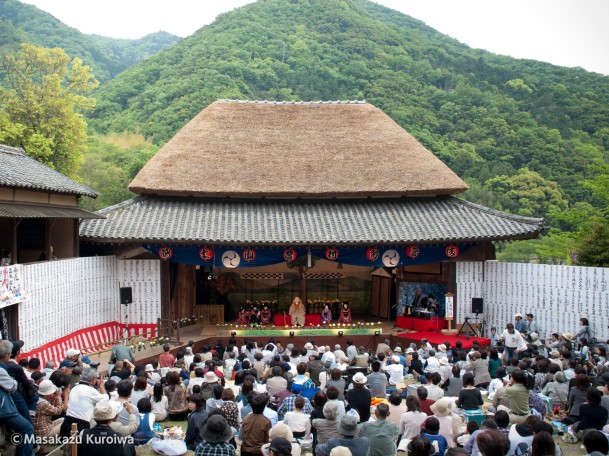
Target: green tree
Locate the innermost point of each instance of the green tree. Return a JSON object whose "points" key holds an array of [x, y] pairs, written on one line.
{"points": [[527, 193], [41, 110]]}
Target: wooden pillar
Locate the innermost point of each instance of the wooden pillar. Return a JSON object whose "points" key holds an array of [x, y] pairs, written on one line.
{"points": [[184, 293], [165, 290]]}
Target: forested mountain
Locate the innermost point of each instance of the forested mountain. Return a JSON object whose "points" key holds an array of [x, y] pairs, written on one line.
{"points": [[22, 23], [529, 137], [485, 115]]}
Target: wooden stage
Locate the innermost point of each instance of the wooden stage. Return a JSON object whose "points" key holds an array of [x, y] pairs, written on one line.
{"points": [[210, 334]]}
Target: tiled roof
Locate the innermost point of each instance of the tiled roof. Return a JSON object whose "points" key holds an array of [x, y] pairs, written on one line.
{"points": [[32, 211], [19, 170], [297, 222]]}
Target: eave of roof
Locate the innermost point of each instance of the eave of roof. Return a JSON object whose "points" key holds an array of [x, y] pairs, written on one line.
{"points": [[296, 222], [17, 170], [17, 210]]}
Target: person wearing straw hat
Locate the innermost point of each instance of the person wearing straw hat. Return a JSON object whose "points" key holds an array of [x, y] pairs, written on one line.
{"points": [[359, 397], [49, 405], [348, 429], [102, 440], [449, 422], [280, 430], [215, 433]]}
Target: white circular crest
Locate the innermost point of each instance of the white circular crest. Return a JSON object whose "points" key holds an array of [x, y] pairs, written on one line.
{"points": [[231, 259], [391, 258]]}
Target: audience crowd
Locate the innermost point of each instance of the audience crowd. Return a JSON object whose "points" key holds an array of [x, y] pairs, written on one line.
{"points": [[506, 398]]}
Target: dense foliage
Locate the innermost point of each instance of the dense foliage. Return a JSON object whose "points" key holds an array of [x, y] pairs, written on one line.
{"points": [[41, 110], [528, 137], [524, 134], [22, 23]]}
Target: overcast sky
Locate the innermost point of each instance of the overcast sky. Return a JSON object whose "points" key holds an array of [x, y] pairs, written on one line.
{"points": [[564, 32]]}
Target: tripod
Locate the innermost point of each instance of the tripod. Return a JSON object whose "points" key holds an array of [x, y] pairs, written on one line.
{"points": [[467, 326]]}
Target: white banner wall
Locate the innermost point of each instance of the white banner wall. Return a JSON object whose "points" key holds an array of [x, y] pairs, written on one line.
{"points": [[144, 278], [65, 296], [558, 296]]}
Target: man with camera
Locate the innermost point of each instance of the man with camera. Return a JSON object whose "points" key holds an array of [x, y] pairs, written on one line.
{"points": [[83, 397]]}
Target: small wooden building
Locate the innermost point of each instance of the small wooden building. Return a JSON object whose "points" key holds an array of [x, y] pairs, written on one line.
{"points": [[276, 191], [39, 217]]}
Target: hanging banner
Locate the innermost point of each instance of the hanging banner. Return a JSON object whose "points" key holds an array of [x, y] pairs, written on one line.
{"points": [[247, 257], [11, 285]]}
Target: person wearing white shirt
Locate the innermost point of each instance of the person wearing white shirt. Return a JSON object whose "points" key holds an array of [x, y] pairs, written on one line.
{"points": [[82, 400], [188, 357], [514, 343], [410, 422], [432, 363], [496, 383], [395, 371]]}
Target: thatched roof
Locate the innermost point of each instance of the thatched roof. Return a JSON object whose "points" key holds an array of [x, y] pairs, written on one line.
{"points": [[294, 149]]}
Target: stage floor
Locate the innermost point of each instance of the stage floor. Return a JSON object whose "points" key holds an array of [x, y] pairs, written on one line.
{"points": [[435, 338]]}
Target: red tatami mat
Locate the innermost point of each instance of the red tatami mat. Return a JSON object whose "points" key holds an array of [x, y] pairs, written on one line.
{"points": [[435, 338]]}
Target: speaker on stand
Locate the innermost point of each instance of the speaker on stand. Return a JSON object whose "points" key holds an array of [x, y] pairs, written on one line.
{"points": [[477, 305], [126, 298]]}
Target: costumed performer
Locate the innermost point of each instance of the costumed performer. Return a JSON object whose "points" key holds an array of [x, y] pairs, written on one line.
{"points": [[297, 312], [265, 315], [345, 314], [255, 316], [326, 314], [243, 318]]}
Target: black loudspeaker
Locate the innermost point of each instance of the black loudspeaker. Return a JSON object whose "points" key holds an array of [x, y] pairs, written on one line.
{"points": [[477, 305], [126, 295]]}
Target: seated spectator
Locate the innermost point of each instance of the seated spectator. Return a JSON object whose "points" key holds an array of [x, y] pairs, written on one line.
{"points": [[215, 435], [102, 440], [472, 444], [299, 422], [276, 382], [338, 382], [412, 419], [521, 435], [596, 443], [216, 401], [449, 422], [50, 404], [397, 407], [140, 390], [359, 398], [395, 370], [333, 396], [381, 433], [326, 428], [420, 446], [423, 401], [348, 429], [376, 381], [255, 427], [230, 409], [592, 414], [197, 417], [159, 402], [454, 385], [496, 383], [492, 443], [431, 429], [434, 392], [281, 431], [176, 396], [145, 430], [470, 397]]}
